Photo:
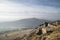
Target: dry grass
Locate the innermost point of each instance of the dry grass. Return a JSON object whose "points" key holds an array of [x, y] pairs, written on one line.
{"points": [[14, 35], [55, 35]]}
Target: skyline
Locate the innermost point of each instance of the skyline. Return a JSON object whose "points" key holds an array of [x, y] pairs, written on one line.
{"points": [[11, 10]]}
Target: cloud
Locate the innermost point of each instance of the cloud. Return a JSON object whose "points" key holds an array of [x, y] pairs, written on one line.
{"points": [[13, 11], [53, 3]]}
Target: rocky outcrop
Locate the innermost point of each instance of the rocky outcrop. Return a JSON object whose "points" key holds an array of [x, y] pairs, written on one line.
{"points": [[46, 31], [49, 32]]}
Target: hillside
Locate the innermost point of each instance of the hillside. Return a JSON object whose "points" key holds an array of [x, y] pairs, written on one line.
{"points": [[53, 32], [41, 32]]}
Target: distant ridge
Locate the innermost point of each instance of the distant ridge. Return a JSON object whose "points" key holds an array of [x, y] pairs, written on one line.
{"points": [[29, 22]]}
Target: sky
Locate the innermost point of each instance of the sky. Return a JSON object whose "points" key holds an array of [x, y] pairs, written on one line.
{"points": [[11, 10]]}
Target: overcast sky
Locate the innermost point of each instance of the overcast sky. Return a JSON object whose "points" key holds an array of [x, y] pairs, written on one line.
{"points": [[11, 10]]}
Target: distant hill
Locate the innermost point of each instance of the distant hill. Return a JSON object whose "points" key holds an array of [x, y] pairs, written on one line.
{"points": [[29, 22]]}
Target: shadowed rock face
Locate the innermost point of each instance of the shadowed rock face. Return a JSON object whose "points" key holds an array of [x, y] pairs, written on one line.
{"points": [[40, 32], [46, 24]]}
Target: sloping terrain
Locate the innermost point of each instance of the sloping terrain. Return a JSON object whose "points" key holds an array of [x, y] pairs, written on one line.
{"points": [[15, 35], [52, 33], [55, 35]]}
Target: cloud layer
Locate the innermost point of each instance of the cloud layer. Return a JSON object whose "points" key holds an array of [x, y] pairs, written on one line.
{"points": [[10, 11], [53, 3]]}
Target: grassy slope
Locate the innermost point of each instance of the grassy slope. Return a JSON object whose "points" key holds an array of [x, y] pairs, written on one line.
{"points": [[55, 35], [14, 35]]}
